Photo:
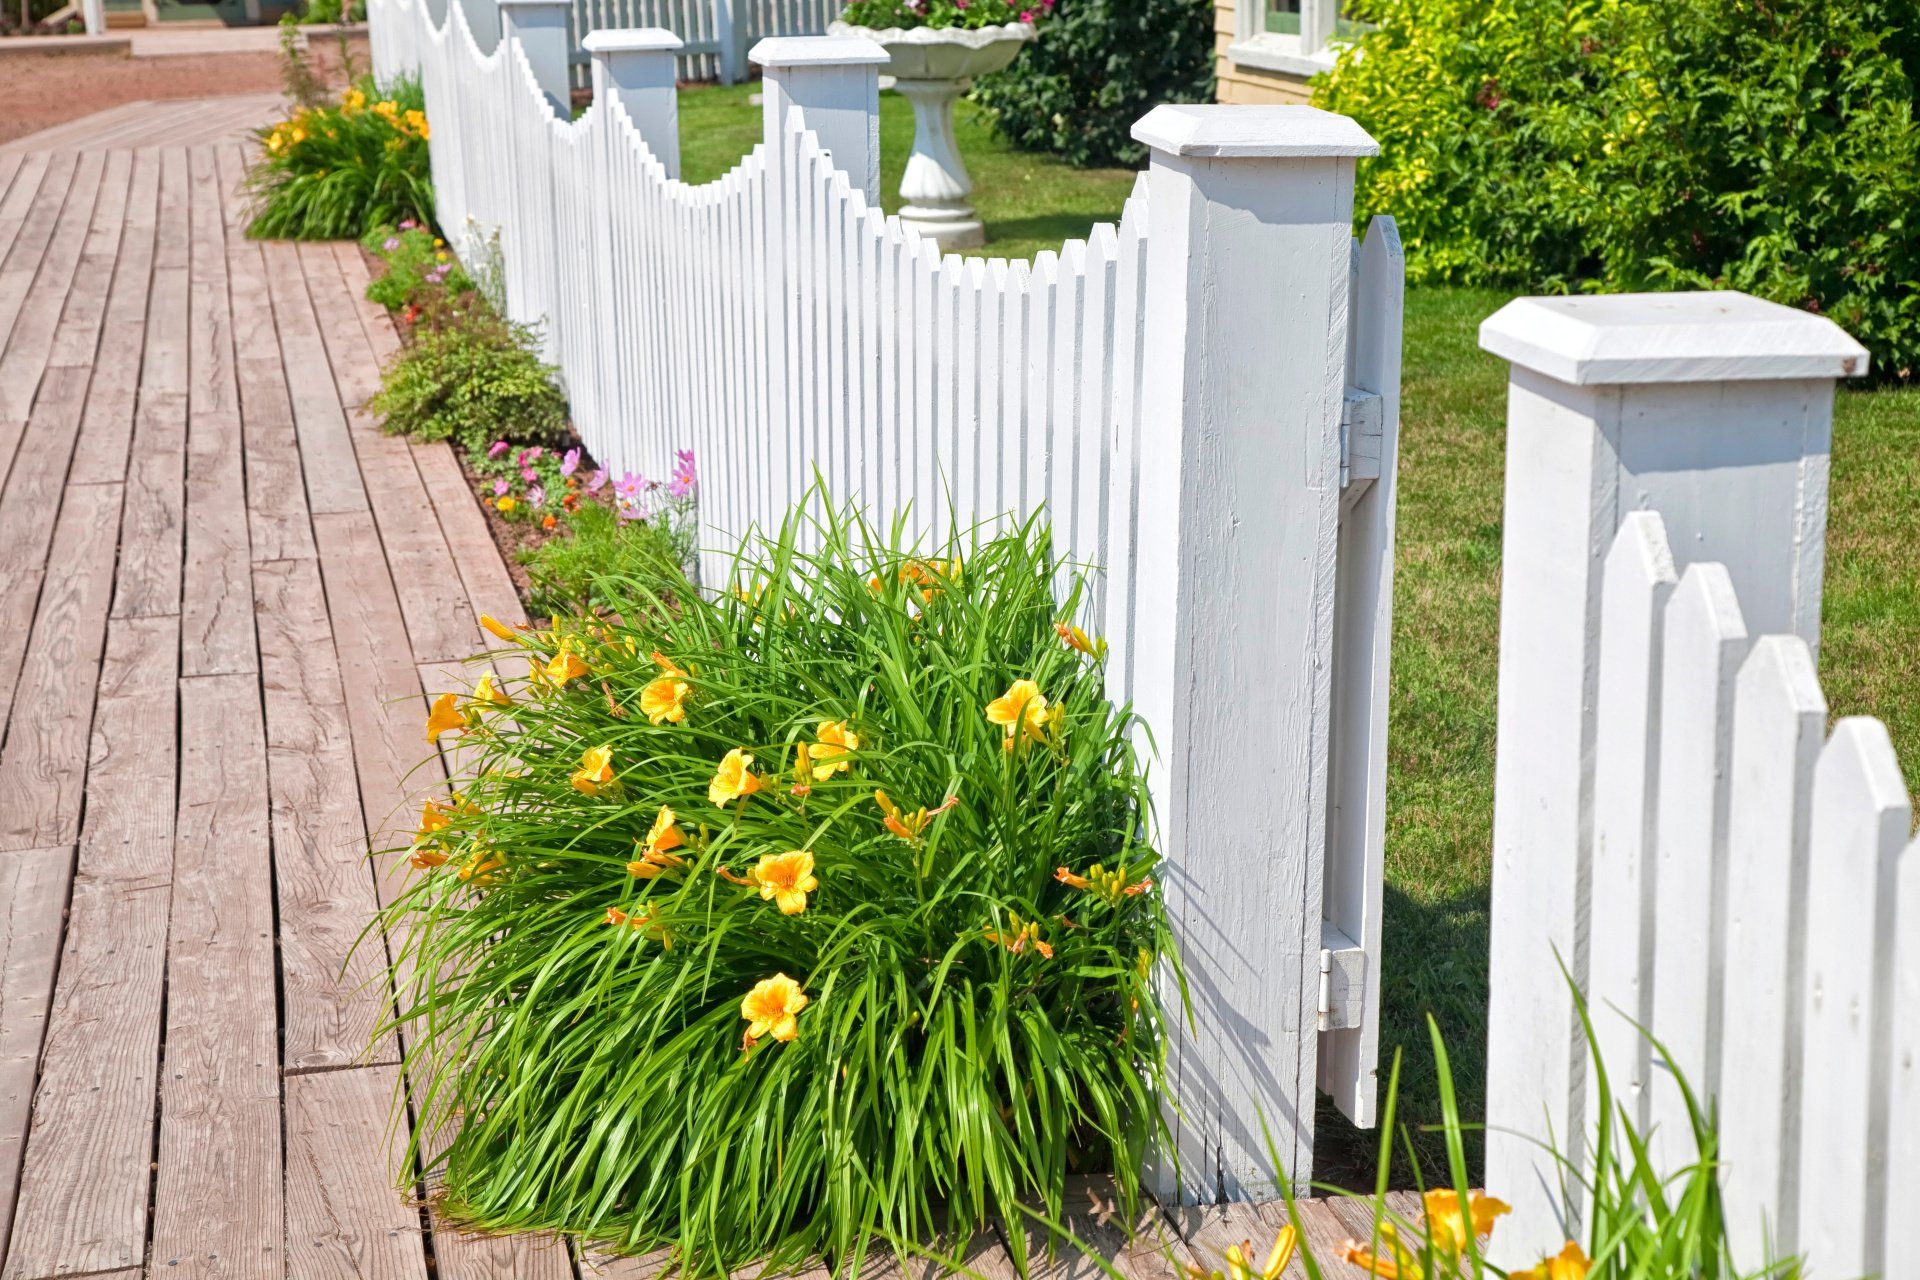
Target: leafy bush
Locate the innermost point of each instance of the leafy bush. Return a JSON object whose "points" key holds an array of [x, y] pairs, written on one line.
{"points": [[772, 920], [598, 546], [1764, 145], [333, 12], [333, 172], [470, 376], [412, 261], [969, 16], [1095, 68]]}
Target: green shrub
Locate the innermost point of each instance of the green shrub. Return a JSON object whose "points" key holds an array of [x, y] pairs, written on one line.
{"points": [[412, 260], [1095, 68], [602, 899], [882, 14], [333, 172], [646, 535], [1764, 145], [333, 12], [470, 376]]}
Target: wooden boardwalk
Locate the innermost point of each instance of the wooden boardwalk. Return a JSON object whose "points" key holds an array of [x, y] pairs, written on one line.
{"points": [[226, 599]]}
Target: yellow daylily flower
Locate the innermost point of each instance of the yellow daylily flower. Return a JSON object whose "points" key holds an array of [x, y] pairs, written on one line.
{"points": [[1240, 1257], [481, 867], [786, 879], [444, 715], [772, 1008], [1395, 1262], [656, 856], [595, 771], [427, 857], [434, 818], [565, 664], [910, 826], [1571, 1263], [1447, 1222], [499, 628], [1022, 706], [665, 700], [733, 778], [484, 690], [835, 740]]}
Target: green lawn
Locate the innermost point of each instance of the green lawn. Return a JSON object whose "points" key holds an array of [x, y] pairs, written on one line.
{"points": [[1446, 603]]}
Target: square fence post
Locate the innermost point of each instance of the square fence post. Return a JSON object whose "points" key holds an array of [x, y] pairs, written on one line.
{"points": [[1713, 410], [637, 67], [539, 27], [835, 81], [1247, 295]]}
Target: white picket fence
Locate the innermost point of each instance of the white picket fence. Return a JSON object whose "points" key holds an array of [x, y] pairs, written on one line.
{"points": [[1204, 397], [1673, 817], [714, 34]]}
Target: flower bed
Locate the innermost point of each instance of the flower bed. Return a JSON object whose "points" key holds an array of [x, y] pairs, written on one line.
{"points": [[768, 923]]}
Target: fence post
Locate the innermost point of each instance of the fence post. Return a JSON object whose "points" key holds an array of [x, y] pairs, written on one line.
{"points": [[1713, 410], [637, 67], [1247, 282], [732, 41], [835, 81], [483, 21], [540, 28]]}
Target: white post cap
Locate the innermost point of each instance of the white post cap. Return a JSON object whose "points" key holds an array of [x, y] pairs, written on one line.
{"points": [[1723, 336], [631, 40], [536, 4], [817, 51], [1222, 132]]}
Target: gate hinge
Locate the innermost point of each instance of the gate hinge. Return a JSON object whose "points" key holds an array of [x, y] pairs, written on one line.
{"points": [[1343, 980]]}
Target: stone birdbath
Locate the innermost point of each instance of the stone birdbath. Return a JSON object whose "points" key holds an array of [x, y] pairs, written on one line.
{"points": [[932, 67]]}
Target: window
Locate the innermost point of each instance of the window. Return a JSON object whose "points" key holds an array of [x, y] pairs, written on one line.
{"points": [[1293, 36]]}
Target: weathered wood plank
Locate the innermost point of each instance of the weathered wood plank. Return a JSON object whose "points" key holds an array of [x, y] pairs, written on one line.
{"points": [[438, 616], [31, 341], [37, 225], [76, 338], [334, 993], [106, 429], [468, 1255], [326, 450], [30, 496], [218, 1195], [43, 762], [216, 629], [482, 572], [1147, 1249], [33, 901], [344, 1215], [84, 1185]]}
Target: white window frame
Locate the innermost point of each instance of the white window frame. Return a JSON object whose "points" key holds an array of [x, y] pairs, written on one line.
{"points": [[1306, 54]]}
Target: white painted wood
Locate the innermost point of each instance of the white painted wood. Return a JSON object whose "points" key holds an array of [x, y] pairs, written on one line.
{"points": [[1639, 580], [1861, 819], [1903, 1059], [1363, 618], [835, 83], [1779, 726], [637, 67], [1704, 643], [1737, 471], [1237, 552]]}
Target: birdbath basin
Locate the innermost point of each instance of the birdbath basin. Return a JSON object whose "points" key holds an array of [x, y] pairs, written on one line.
{"points": [[932, 67]]}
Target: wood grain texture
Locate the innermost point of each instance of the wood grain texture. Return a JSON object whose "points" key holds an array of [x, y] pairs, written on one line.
{"points": [[334, 994], [331, 471], [28, 502], [43, 761], [84, 1185], [218, 1201], [34, 886], [106, 430], [37, 314], [345, 1217], [1148, 1247]]}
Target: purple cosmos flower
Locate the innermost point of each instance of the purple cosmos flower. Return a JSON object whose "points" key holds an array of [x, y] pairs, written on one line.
{"points": [[499, 488], [392, 243], [569, 462], [629, 487], [499, 447], [596, 480], [684, 475]]}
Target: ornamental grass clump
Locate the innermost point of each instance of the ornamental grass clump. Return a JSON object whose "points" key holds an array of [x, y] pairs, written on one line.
{"points": [[334, 171], [794, 920]]}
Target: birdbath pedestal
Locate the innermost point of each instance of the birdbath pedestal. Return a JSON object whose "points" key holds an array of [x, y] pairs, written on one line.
{"points": [[932, 67]]}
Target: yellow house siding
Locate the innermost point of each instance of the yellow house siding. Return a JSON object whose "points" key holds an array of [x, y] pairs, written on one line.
{"points": [[1235, 83]]}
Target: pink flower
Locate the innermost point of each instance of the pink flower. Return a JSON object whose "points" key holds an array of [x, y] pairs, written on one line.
{"points": [[391, 243], [684, 476], [533, 454], [529, 474], [1026, 15], [499, 447], [960, 5], [499, 488], [408, 224], [597, 480], [569, 462], [536, 495], [629, 487]]}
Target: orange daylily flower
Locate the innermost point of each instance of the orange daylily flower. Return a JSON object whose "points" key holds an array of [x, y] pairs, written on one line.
{"points": [[785, 879], [481, 866], [664, 700], [910, 826], [1111, 885], [565, 664], [772, 1008], [835, 740], [643, 921], [1571, 1263], [1447, 1223], [733, 778], [667, 665], [595, 771], [1019, 935], [499, 628], [434, 818], [656, 856], [1076, 639], [444, 715], [427, 857]]}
